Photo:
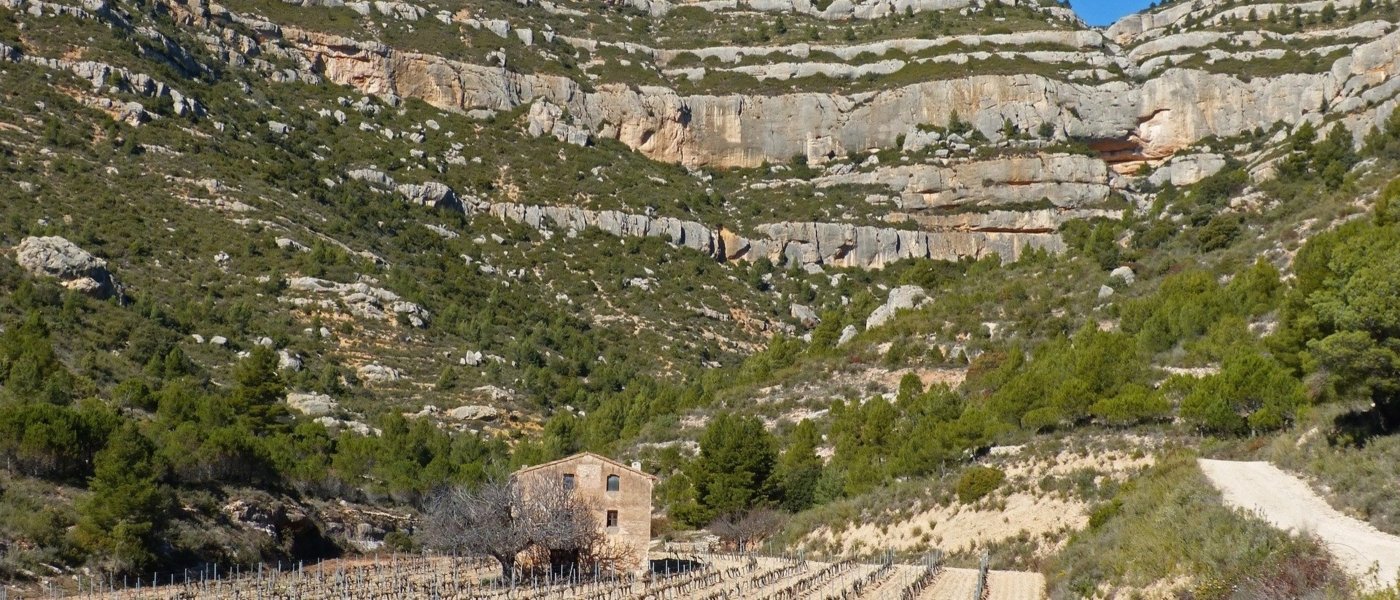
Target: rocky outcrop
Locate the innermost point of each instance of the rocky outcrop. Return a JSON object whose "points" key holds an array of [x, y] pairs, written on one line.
{"points": [[268, 515], [361, 299], [1162, 115], [841, 10], [1137, 27], [867, 247], [725, 131], [74, 267], [1184, 170], [1181, 106], [102, 75], [377, 373], [431, 194], [687, 234], [1067, 180], [848, 52], [835, 244], [547, 119], [473, 412], [89, 9], [1044, 220], [312, 405]]}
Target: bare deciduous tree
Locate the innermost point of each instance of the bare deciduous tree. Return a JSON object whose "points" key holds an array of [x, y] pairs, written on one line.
{"points": [[538, 518], [740, 529], [490, 520]]}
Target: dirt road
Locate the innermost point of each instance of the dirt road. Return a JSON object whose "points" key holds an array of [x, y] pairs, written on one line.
{"points": [[1290, 504]]}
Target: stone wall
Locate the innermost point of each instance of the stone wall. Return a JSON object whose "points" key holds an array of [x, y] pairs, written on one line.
{"points": [[632, 501]]}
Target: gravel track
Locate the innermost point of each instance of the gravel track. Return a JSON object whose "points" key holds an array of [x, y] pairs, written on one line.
{"points": [[1290, 504]]}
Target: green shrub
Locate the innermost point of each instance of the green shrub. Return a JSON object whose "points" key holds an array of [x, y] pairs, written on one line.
{"points": [[1135, 404], [976, 482], [1251, 393], [1103, 512], [1044, 418]]}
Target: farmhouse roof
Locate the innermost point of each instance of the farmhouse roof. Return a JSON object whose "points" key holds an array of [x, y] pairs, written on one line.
{"points": [[588, 454]]}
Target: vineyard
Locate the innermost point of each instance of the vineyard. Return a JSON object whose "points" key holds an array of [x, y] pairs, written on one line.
{"points": [[680, 577]]}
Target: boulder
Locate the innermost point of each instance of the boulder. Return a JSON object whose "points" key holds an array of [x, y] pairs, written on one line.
{"points": [[900, 298], [732, 245], [59, 258], [431, 194], [847, 334], [1124, 273], [805, 315], [288, 361], [372, 176], [377, 373], [493, 393], [265, 514], [334, 425], [291, 244], [473, 413], [312, 405]]}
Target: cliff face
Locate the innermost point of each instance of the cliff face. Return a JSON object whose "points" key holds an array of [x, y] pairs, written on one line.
{"points": [[1154, 112], [935, 124]]}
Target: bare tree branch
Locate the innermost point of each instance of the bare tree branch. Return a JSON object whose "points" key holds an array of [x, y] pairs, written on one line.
{"points": [[490, 520], [741, 529]]}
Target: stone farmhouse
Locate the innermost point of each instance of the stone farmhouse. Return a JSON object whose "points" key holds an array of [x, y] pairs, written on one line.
{"points": [[620, 493]]}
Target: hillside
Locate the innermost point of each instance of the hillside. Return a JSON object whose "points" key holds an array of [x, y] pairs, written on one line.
{"points": [[276, 272]]}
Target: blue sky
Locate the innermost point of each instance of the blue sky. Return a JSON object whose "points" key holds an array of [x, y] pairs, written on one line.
{"points": [[1105, 12]]}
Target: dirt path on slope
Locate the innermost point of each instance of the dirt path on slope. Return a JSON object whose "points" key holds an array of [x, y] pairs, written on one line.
{"points": [[1288, 503]]}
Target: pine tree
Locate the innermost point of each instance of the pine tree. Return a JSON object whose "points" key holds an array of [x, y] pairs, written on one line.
{"points": [[1329, 13], [800, 469], [124, 514], [735, 466], [258, 389]]}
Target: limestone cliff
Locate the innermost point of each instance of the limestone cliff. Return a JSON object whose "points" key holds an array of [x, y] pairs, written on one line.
{"points": [[1149, 119]]}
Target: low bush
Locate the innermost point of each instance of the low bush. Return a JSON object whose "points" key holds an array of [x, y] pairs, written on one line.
{"points": [[977, 482]]}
